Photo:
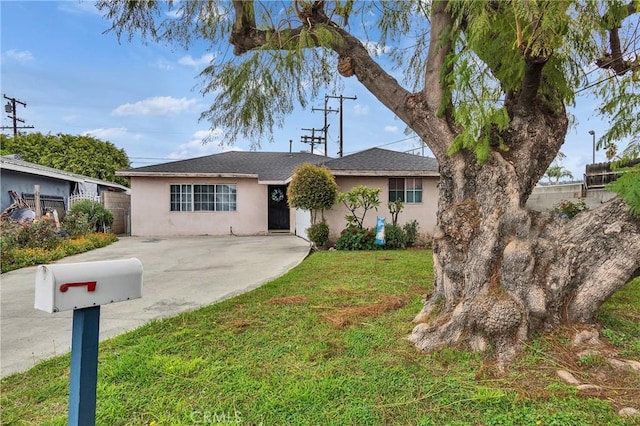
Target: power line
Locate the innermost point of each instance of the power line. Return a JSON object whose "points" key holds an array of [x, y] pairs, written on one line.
{"points": [[342, 98], [605, 79], [326, 126], [10, 108]]}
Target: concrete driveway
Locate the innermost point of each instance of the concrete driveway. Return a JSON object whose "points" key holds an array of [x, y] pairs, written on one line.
{"points": [[180, 274]]}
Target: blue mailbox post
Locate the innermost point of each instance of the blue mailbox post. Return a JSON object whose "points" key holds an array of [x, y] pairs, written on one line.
{"points": [[83, 288]]}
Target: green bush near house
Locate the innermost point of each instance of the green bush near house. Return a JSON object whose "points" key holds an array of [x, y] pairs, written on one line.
{"points": [[76, 224], [356, 238], [98, 217], [318, 234], [395, 237]]}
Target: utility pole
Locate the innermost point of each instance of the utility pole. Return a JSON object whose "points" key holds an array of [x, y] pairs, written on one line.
{"points": [[313, 138], [10, 108], [342, 98], [326, 126]]}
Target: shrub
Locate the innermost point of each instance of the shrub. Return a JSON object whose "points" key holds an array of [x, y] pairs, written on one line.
{"points": [[569, 209], [8, 236], [411, 232], [17, 257], [76, 224], [318, 233], [395, 207], [395, 237], [312, 188], [360, 199], [98, 217], [36, 234], [356, 238]]}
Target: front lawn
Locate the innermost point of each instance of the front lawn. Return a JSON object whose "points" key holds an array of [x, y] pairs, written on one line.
{"points": [[326, 345]]}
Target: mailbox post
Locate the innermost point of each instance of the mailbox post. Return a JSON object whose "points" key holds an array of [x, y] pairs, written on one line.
{"points": [[83, 288]]}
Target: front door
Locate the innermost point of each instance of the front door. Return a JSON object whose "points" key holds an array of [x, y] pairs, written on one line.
{"points": [[278, 208]]}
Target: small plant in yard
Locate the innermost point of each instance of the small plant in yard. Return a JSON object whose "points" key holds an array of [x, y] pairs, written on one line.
{"points": [[395, 237], [569, 209], [37, 234], [99, 218], [318, 234], [411, 232], [359, 201], [76, 223], [395, 207], [356, 238]]}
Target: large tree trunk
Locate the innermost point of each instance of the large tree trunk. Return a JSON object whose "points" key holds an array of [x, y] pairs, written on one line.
{"points": [[503, 272]]}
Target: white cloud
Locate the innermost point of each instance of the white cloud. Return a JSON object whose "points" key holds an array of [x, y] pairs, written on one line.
{"points": [[361, 110], [162, 64], [174, 14], [106, 134], [159, 105], [376, 49], [203, 61], [20, 55], [391, 129], [203, 142], [79, 7]]}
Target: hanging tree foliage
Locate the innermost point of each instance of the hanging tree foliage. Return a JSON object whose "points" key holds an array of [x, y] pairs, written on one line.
{"points": [[485, 84]]}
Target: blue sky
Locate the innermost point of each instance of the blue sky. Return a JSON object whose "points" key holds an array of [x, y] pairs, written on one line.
{"points": [[146, 98]]}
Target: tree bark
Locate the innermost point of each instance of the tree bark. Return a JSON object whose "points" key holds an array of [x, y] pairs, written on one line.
{"points": [[502, 272]]}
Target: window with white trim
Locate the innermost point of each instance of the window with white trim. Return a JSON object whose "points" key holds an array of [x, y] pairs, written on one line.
{"points": [[210, 198], [408, 190]]}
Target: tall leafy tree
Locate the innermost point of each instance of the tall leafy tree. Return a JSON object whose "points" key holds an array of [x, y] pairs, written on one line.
{"points": [[84, 155], [486, 85]]}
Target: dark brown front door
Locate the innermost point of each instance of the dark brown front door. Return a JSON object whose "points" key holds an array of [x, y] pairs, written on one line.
{"points": [[278, 208]]}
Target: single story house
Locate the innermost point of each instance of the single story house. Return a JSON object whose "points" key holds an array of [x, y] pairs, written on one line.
{"points": [[59, 189], [56, 186], [245, 193]]}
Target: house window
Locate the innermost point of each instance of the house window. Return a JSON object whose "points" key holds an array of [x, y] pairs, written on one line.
{"points": [[181, 198], [210, 198], [408, 190]]}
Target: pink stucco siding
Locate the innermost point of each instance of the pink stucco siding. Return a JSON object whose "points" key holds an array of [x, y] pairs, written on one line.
{"points": [[151, 215], [424, 213]]}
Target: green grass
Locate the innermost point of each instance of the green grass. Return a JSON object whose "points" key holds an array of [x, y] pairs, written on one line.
{"points": [[323, 345]]}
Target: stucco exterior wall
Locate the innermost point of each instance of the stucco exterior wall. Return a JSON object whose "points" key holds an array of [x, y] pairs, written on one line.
{"points": [[151, 215], [424, 213]]}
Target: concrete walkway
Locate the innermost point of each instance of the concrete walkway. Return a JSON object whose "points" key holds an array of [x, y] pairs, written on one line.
{"points": [[180, 274]]}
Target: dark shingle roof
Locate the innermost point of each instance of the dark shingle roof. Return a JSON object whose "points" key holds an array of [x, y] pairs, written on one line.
{"points": [[279, 166], [381, 160], [267, 166]]}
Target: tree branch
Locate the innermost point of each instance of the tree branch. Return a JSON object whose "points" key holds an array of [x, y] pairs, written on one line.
{"points": [[605, 244], [614, 60]]}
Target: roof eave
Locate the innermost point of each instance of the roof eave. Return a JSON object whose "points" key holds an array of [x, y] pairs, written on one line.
{"points": [[60, 175], [186, 174], [382, 173]]}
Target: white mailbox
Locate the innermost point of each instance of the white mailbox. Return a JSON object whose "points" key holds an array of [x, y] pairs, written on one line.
{"points": [[69, 286]]}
